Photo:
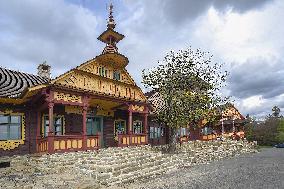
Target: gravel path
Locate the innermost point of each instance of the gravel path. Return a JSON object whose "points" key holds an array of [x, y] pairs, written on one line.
{"points": [[259, 170]]}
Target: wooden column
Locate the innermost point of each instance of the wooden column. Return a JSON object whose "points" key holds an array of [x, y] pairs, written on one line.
{"points": [[223, 129], [84, 113], [50, 128], [146, 126], [129, 121], [38, 128]]}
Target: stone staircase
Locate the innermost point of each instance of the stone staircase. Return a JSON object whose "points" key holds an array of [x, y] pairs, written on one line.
{"points": [[113, 166], [120, 165]]}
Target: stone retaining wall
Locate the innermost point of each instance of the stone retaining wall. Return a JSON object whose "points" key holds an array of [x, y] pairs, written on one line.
{"points": [[113, 165]]}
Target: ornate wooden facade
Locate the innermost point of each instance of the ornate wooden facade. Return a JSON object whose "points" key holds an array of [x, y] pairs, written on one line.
{"points": [[96, 104]]}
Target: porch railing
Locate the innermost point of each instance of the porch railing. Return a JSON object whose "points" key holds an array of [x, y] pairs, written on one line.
{"points": [[232, 135], [67, 143], [240, 134], [131, 139], [209, 137], [42, 145], [183, 139]]}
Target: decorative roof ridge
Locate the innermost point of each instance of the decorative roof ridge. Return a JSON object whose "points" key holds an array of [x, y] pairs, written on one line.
{"points": [[15, 83], [25, 73]]}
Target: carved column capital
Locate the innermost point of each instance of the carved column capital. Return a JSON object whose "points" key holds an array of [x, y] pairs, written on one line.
{"points": [[50, 104], [85, 108]]}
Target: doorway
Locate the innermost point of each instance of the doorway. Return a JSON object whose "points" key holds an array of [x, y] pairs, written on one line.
{"points": [[94, 126]]}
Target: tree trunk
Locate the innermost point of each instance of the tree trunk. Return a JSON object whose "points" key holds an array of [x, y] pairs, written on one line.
{"points": [[172, 140]]}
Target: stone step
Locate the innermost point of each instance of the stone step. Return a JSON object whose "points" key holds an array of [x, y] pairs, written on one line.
{"points": [[136, 168], [125, 161], [139, 174], [122, 155], [120, 166]]}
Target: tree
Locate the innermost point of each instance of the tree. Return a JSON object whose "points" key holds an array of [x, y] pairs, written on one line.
{"points": [[189, 84], [249, 128], [275, 111], [280, 131]]}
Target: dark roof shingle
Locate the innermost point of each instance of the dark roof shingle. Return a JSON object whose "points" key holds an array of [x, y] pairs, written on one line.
{"points": [[13, 83]]}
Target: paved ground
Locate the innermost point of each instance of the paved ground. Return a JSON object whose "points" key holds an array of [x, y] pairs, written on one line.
{"points": [[259, 170]]}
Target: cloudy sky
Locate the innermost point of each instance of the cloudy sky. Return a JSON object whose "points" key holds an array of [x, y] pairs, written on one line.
{"points": [[246, 35]]}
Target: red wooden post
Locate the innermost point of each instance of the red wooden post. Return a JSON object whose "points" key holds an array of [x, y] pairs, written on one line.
{"points": [[129, 121], [119, 143], [50, 137], [85, 108], [38, 131], [99, 139], [146, 126]]}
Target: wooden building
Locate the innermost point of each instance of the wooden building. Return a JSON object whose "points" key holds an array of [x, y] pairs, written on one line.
{"points": [[230, 125], [96, 104], [158, 132]]}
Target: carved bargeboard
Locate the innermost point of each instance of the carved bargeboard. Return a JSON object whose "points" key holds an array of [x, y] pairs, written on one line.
{"points": [[101, 85], [137, 108], [67, 97]]}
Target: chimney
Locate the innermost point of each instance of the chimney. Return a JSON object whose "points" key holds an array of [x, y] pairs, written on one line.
{"points": [[43, 70]]}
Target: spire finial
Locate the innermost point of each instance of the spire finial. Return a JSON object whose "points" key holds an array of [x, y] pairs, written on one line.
{"points": [[110, 23]]}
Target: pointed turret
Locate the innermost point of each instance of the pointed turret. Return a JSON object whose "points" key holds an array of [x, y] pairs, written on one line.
{"points": [[110, 24], [111, 37]]}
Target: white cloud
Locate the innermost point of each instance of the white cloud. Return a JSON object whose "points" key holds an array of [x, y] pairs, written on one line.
{"points": [[61, 33], [238, 37], [239, 33]]}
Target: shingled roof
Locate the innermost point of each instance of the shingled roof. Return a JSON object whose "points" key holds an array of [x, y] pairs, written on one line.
{"points": [[13, 83]]}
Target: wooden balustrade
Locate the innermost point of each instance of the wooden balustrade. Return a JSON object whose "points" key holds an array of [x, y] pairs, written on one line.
{"points": [[183, 139], [209, 137], [93, 142], [231, 135], [241, 134], [67, 143], [131, 140], [42, 145]]}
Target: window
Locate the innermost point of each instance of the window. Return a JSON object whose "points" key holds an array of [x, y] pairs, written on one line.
{"points": [[207, 130], [116, 75], [183, 131], [119, 127], [58, 125], [151, 132], [156, 132], [10, 127], [102, 71], [137, 127]]}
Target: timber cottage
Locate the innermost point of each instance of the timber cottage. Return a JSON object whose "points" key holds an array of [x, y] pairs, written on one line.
{"points": [[96, 104]]}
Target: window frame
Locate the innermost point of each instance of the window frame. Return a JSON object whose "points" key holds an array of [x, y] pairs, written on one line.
{"points": [[44, 132], [141, 128], [115, 132], [9, 124], [12, 144], [157, 132], [116, 75]]}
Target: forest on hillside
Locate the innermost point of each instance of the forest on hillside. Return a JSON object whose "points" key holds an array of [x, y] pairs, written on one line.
{"points": [[269, 132]]}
